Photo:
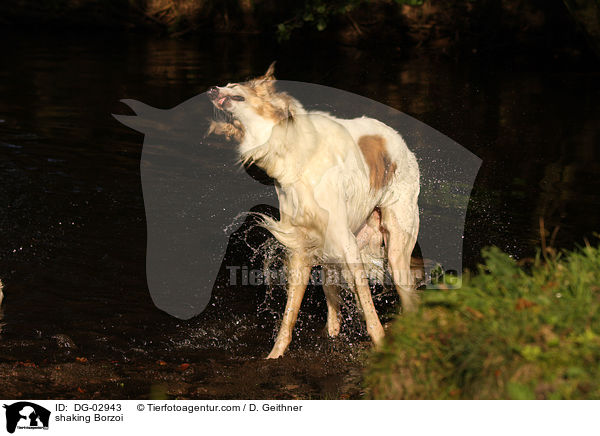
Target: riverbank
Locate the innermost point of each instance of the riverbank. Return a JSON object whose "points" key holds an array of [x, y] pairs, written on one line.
{"points": [[460, 27]]}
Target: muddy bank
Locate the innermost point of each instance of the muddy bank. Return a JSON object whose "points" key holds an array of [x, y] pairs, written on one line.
{"points": [[220, 354], [298, 375], [200, 359]]}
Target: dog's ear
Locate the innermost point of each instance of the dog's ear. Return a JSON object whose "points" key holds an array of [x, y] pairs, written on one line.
{"points": [[265, 84], [270, 74]]}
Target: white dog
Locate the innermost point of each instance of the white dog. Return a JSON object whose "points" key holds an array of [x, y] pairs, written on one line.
{"points": [[347, 193]]}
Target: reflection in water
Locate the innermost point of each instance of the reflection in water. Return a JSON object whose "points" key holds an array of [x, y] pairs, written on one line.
{"points": [[72, 228]]}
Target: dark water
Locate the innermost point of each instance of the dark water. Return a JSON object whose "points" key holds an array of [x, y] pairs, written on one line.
{"points": [[72, 226]]}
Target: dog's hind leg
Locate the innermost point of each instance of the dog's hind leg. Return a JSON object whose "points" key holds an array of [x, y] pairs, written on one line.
{"points": [[402, 225], [347, 244], [299, 269], [333, 297]]}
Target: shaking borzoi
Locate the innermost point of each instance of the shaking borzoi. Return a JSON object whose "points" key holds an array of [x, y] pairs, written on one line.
{"points": [[347, 194]]}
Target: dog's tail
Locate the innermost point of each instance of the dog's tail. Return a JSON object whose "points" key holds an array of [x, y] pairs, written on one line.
{"points": [[287, 235]]}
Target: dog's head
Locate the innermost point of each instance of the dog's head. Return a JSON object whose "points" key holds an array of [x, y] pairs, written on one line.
{"points": [[251, 105]]}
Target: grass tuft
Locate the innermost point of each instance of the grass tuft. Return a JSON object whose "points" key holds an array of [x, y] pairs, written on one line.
{"points": [[509, 333]]}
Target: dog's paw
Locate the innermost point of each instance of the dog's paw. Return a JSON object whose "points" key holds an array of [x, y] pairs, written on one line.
{"points": [[275, 354]]}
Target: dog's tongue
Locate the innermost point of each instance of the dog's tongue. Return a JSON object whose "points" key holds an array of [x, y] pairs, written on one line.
{"points": [[221, 100]]}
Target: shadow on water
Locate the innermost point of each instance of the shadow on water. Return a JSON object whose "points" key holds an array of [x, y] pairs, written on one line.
{"points": [[78, 319]]}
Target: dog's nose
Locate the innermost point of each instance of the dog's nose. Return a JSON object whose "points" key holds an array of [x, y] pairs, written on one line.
{"points": [[213, 92]]}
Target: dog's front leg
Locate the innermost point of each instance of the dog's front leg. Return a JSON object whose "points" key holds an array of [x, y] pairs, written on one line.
{"points": [[298, 275]]}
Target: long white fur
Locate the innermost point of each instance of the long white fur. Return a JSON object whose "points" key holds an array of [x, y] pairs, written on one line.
{"points": [[329, 212]]}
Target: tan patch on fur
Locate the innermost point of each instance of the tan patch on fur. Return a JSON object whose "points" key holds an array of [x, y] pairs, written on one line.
{"points": [[267, 103], [268, 110], [381, 167]]}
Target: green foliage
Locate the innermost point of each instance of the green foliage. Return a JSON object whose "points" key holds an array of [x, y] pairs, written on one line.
{"points": [[315, 13], [508, 333], [319, 13]]}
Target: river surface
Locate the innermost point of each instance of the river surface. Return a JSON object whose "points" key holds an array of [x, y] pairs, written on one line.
{"points": [[78, 320]]}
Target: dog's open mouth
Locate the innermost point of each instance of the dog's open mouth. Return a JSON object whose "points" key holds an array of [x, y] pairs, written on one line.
{"points": [[223, 101]]}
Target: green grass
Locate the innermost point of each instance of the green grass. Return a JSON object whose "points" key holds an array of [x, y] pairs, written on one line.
{"points": [[510, 332]]}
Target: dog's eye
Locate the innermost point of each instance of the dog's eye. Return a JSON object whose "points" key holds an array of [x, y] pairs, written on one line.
{"points": [[237, 98]]}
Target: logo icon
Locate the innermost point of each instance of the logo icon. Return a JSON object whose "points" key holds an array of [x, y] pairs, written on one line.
{"points": [[26, 415], [194, 193]]}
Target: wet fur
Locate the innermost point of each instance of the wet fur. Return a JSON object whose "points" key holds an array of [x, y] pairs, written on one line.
{"points": [[347, 193]]}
